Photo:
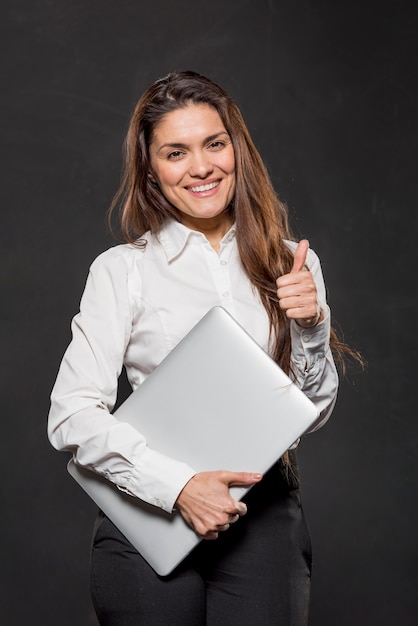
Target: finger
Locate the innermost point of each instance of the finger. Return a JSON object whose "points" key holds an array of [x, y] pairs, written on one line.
{"points": [[241, 508], [234, 518], [211, 536], [241, 479], [299, 259]]}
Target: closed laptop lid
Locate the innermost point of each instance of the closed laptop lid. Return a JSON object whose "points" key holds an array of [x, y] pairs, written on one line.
{"points": [[217, 401]]}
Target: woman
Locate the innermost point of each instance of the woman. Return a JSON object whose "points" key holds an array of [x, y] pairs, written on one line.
{"points": [[203, 227]]}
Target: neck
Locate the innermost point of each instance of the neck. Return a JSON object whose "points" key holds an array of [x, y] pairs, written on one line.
{"points": [[214, 229]]}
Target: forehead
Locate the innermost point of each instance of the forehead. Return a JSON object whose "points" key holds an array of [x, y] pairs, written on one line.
{"points": [[192, 120]]}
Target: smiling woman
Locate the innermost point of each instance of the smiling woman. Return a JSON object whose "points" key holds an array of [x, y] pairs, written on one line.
{"points": [[193, 164], [203, 227]]}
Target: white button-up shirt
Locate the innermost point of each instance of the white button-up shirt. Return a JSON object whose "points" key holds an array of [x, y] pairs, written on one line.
{"points": [[138, 303]]}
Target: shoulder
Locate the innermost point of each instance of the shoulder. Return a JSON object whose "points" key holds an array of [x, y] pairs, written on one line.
{"points": [[121, 257], [111, 276]]}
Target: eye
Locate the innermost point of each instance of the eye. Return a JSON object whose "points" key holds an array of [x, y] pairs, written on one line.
{"points": [[217, 145], [176, 154]]}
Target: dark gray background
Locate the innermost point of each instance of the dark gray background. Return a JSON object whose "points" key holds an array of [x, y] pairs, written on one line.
{"points": [[329, 91]]}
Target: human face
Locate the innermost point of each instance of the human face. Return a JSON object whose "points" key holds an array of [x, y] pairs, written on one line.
{"points": [[193, 163]]}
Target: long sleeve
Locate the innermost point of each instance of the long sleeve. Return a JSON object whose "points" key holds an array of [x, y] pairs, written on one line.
{"points": [[311, 357], [138, 303], [85, 392]]}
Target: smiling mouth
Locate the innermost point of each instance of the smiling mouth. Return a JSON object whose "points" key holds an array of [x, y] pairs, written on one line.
{"points": [[207, 187]]}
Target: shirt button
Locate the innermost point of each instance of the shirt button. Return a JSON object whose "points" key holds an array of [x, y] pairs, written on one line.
{"points": [[306, 337], [159, 503], [225, 294], [223, 262]]}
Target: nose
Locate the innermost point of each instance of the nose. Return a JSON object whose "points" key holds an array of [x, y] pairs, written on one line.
{"points": [[200, 165]]}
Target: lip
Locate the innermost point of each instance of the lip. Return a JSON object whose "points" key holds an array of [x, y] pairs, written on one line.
{"points": [[197, 188]]}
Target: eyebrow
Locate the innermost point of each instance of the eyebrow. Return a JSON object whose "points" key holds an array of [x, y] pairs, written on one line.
{"points": [[185, 146]]}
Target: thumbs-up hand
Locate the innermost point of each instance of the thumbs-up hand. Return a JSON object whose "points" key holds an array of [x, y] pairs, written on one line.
{"points": [[297, 290]]}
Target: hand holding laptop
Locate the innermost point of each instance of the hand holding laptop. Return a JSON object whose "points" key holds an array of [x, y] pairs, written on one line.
{"points": [[207, 505], [251, 415]]}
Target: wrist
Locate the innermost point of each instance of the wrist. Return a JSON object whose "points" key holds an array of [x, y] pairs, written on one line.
{"points": [[311, 322]]}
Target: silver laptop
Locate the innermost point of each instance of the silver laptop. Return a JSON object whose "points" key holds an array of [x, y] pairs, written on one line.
{"points": [[217, 401]]}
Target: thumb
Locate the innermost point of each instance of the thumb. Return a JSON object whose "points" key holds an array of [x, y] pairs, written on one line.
{"points": [[238, 479], [300, 255]]}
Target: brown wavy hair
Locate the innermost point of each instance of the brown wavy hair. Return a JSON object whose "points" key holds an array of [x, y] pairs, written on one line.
{"points": [[261, 219]]}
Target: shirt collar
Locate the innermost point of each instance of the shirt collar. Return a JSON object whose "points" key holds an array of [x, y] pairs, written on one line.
{"points": [[174, 236]]}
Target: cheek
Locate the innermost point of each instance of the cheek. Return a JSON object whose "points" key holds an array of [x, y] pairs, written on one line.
{"points": [[166, 176], [229, 169], [229, 162]]}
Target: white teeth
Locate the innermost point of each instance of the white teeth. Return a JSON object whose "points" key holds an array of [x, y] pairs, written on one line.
{"points": [[204, 187]]}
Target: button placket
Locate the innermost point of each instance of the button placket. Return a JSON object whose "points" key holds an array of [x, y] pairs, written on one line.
{"points": [[220, 273]]}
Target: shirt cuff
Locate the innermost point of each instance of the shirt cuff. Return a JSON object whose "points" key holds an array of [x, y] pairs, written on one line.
{"points": [[310, 344], [158, 479]]}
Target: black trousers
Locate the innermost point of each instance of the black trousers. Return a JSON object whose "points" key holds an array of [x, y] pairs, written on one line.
{"points": [[255, 574]]}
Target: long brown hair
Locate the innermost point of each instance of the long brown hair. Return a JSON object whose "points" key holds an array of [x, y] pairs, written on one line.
{"points": [[261, 219]]}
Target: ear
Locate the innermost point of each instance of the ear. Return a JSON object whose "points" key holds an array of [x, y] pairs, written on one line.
{"points": [[151, 178]]}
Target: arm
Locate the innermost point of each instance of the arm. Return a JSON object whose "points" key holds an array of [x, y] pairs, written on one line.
{"points": [[85, 392], [302, 295]]}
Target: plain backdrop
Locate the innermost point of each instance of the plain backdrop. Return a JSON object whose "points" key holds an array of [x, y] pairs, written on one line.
{"points": [[329, 92]]}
